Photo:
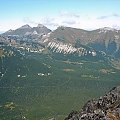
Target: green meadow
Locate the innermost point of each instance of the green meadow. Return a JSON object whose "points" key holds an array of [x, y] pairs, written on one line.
{"points": [[39, 87]]}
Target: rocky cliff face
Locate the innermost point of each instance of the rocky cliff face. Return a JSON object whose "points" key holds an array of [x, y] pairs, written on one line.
{"points": [[105, 108], [60, 47]]}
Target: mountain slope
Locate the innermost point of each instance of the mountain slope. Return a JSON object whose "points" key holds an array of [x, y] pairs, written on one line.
{"points": [[71, 35], [105, 108], [103, 39]]}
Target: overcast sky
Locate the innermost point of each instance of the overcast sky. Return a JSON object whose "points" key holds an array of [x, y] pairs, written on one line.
{"points": [[85, 14]]}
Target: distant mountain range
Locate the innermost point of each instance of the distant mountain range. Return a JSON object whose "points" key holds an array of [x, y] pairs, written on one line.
{"points": [[27, 33], [46, 74], [70, 40], [27, 30]]}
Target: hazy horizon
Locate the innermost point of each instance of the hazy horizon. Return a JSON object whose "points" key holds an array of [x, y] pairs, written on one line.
{"points": [[83, 14]]}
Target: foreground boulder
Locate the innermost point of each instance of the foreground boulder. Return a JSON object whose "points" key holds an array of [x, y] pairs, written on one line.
{"points": [[105, 108]]}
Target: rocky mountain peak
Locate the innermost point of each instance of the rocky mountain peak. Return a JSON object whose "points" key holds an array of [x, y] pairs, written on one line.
{"points": [[25, 26], [10, 30], [27, 30]]}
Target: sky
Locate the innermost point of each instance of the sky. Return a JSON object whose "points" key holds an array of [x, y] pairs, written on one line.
{"points": [[83, 14]]}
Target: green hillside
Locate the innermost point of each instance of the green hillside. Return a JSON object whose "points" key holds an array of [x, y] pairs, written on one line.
{"points": [[38, 87]]}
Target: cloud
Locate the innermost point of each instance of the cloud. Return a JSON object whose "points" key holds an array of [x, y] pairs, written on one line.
{"points": [[103, 17], [52, 22], [10, 24], [49, 21], [69, 19], [109, 16], [69, 14], [27, 20], [116, 15], [69, 22], [75, 20]]}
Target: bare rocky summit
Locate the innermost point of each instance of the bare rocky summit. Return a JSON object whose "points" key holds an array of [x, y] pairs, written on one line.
{"points": [[26, 30], [105, 108]]}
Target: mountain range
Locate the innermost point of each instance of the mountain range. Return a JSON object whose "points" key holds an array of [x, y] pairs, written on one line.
{"points": [[70, 39], [27, 30], [104, 39], [46, 74]]}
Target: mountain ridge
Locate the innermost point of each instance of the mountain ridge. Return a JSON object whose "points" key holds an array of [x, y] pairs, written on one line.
{"points": [[103, 39], [21, 31], [49, 79]]}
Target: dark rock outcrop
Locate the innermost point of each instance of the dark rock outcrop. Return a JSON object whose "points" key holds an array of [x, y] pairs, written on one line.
{"points": [[105, 108]]}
